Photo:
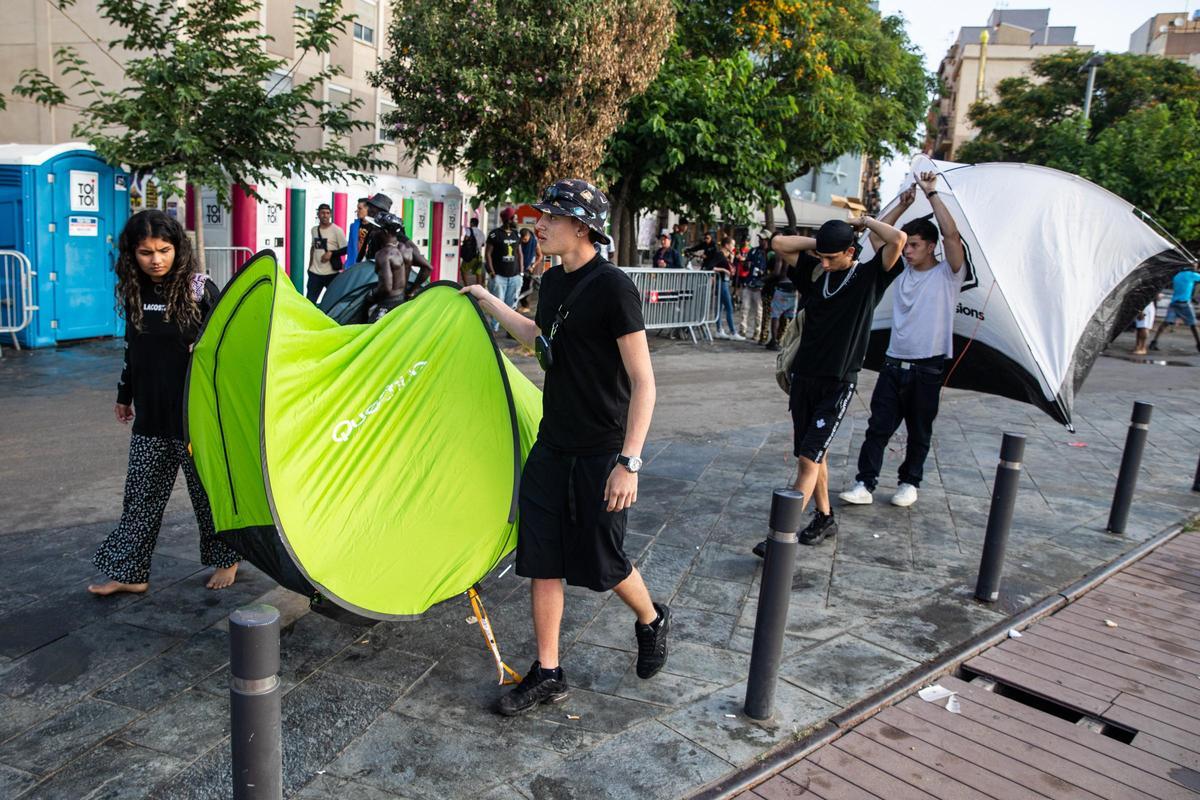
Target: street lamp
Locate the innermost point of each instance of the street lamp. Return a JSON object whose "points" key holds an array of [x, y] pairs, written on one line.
{"points": [[1091, 66]]}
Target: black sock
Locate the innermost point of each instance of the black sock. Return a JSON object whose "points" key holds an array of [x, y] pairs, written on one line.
{"points": [[547, 674]]}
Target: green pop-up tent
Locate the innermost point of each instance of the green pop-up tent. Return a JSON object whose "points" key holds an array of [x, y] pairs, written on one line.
{"points": [[378, 463]]}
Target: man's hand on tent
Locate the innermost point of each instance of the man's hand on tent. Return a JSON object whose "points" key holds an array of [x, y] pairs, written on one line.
{"points": [[621, 490], [928, 182]]}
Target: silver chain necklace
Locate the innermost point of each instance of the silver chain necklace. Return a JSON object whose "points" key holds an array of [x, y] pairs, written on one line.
{"points": [[828, 294]]}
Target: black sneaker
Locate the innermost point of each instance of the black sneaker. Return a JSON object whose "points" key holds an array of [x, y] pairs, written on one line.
{"points": [[760, 549], [821, 527], [652, 643], [1154, 345], [532, 691], [773, 345]]}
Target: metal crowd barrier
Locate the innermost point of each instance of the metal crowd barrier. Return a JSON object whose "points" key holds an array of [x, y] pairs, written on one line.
{"points": [[16, 294], [676, 299], [222, 263]]}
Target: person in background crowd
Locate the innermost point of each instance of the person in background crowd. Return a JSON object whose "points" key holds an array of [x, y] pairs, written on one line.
{"points": [[395, 260], [783, 295], [1183, 286], [679, 237], [531, 265], [723, 266], [378, 203], [753, 274], [471, 253], [502, 259], [1143, 325], [325, 257], [164, 299], [356, 236], [666, 256]]}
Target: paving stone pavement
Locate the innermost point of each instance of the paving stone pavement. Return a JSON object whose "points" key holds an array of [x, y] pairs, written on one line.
{"points": [[127, 697]]}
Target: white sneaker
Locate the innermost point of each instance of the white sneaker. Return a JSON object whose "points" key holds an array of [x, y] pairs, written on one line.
{"points": [[860, 495], [905, 496], [720, 334], [737, 337]]}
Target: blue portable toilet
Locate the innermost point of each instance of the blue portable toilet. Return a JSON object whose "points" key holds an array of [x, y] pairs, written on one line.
{"points": [[63, 207]]}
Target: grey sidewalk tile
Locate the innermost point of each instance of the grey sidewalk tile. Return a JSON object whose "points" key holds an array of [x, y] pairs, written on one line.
{"points": [[115, 770], [590, 666], [683, 460], [599, 713], [711, 594], [664, 689], [66, 670], [374, 657], [148, 686], [663, 567], [186, 607], [650, 760], [877, 590], [329, 787], [687, 530], [426, 760], [726, 562], [612, 627], [460, 692], [891, 548], [310, 643], [14, 781], [552, 732], [844, 669], [321, 717], [47, 746], [701, 627], [812, 622], [17, 715], [930, 628], [186, 727], [742, 642], [719, 724], [719, 665]]}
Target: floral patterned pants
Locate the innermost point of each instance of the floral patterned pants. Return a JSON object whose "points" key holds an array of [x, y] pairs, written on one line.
{"points": [[154, 464]]}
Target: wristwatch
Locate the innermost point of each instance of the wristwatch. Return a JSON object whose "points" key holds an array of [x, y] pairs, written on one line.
{"points": [[631, 463]]}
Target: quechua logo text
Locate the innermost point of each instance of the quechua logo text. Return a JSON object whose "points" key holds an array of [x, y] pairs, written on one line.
{"points": [[343, 430]]}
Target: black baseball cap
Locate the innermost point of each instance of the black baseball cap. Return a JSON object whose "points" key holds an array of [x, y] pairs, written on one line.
{"points": [[576, 198], [835, 236], [324, 207]]}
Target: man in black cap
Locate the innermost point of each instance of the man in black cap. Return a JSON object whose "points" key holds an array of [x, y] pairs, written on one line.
{"points": [[838, 306], [582, 473]]}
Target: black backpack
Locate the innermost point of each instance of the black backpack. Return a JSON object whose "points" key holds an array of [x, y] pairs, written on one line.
{"points": [[469, 249]]}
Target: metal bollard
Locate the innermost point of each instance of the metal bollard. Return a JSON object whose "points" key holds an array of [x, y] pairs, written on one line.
{"points": [[254, 694], [1000, 514], [774, 595], [1196, 482], [1131, 462]]}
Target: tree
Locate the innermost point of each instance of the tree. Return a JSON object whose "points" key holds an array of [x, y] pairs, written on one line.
{"points": [[858, 83], [520, 92], [1016, 126], [696, 140], [1141, 142], [203, 102]]}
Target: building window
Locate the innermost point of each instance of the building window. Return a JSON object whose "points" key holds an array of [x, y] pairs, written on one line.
{"points": [[339, 96], [278, 81], [308, 13], [364, 33], [386, 132]]}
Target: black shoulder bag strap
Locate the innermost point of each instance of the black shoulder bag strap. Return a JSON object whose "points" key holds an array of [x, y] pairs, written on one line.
{"points": [[564, 309]]}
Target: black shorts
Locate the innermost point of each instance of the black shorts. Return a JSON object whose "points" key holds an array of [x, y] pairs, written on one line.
{"points": [[565, 531], [817, 406]]}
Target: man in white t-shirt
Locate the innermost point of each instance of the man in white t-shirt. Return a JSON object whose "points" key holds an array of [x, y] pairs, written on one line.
{"points": [[924, 299], [325, 256]]}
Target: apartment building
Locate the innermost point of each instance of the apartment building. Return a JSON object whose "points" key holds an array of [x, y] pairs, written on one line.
{"points": [[1170, 35]]}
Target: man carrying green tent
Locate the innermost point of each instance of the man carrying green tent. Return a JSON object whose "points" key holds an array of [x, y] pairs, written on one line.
{"points": [[582, 473]]}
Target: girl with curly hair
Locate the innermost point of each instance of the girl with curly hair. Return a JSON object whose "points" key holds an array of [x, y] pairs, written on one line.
{"points": [[164, 299]]}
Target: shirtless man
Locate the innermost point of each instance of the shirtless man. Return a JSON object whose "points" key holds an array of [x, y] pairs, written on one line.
{"points": [[394, 260]]}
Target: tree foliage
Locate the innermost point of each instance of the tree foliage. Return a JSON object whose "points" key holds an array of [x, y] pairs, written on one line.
{"points": [[203, 101], [520, 92], [1142, 140]]}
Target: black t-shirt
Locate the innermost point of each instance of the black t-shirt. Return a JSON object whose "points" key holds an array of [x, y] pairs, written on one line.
{"points": [[585, 401], [506, 251], [838, 307], [156, 363]]}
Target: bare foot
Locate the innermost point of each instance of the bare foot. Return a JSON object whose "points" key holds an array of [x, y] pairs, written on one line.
{"points": [[222, 577], [115, 587]]}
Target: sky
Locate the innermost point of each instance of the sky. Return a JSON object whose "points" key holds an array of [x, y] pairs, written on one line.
{"points": [[933, 26]]}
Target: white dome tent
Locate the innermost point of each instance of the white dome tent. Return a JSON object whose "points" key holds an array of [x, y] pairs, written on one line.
{"points": [[1057, 267]]}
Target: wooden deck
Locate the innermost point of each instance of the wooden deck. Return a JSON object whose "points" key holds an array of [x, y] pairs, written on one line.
{"points": [[1100, 700]]}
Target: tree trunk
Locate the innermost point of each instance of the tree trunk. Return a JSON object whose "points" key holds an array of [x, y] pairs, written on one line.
{"points": [[769, 215], [198, 218], [788, 208], [624, 240]]}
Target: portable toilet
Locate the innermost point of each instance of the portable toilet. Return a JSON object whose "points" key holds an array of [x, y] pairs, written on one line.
{"points": [[447, 214], [218, 231], [261, 225], [64, 208], [418, 204]]}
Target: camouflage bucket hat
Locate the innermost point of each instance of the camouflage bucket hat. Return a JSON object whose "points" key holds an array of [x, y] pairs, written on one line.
{"points": [[572, 197]]}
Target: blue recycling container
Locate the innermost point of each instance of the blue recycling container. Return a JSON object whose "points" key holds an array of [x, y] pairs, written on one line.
{"points": [[63, 207]]}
